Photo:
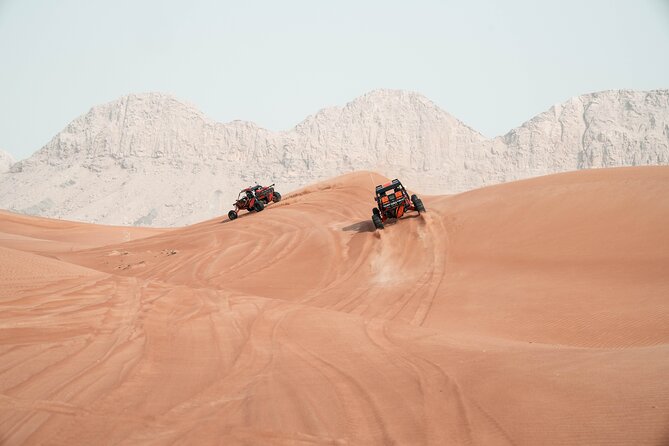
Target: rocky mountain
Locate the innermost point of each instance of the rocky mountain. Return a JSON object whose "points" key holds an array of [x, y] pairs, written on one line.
{"points": [[6, 160], [604, 129], [150, 159]]}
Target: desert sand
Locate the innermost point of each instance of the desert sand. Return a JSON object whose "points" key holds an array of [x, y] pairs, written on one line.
{"points": [[528, 313]]}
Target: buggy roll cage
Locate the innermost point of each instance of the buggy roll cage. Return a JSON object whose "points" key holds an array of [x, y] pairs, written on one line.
{"points": [[381, 189]]}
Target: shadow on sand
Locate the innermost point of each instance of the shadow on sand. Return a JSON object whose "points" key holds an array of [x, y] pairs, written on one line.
{"points": [[361, 226], [368, 226], [242, 214]]}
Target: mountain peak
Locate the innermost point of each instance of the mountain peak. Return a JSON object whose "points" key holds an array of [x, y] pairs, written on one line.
{"points": [[150, 101], [385, 96]]}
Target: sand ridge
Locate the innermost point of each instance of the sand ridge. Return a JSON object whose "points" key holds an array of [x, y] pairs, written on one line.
{"points": [[532, 312]]}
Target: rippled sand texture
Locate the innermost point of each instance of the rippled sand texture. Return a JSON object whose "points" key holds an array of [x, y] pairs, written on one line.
{"points": [[532, 313]]}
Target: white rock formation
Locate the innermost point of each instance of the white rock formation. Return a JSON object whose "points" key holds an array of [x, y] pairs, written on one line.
{"points": [[605, 129], [6, 161], [150, 159]]}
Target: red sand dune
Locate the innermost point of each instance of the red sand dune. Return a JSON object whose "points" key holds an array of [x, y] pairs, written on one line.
{"points": [[532, 313]]}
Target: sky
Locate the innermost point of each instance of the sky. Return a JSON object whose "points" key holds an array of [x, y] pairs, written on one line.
{"points": [[491, 64]]}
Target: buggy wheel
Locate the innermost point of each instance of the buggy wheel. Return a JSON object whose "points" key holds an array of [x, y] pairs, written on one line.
{"points": [[232, 215], [258, 206], [418, 203], [378, 223], [277, 197], [375, 211], [420, 207]]}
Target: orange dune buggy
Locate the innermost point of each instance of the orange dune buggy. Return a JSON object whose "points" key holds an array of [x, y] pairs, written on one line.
{"points": [[393, 201], [246, 200]]}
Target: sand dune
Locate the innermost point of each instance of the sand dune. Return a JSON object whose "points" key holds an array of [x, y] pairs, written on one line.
{"points": [[533, 312]]}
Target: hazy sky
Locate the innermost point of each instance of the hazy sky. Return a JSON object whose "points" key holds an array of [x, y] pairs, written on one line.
{"points": [[492, 64]]}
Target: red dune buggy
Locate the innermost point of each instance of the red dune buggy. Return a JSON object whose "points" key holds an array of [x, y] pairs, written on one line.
{"points": [[267, 194], [247, 200], [393, 201]]}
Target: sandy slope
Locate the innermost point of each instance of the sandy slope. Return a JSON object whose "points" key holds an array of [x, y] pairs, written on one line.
{"points": [[528, 313]]}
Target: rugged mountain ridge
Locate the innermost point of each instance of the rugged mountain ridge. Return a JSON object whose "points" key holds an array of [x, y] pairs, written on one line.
{"points": [[150, 159], [603, 129]]}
